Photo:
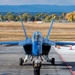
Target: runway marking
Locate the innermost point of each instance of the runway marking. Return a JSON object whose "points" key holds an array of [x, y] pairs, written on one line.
{"points": [[69, 67]]}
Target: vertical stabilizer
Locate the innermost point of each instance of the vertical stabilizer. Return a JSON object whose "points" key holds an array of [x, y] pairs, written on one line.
{"points": [[49, 31], [23, 28]]}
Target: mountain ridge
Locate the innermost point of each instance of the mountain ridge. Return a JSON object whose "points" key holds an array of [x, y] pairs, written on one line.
{"points": [[36, 8]]}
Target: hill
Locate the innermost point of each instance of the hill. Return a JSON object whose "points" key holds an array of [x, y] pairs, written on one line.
{"points": [[36, 8]]}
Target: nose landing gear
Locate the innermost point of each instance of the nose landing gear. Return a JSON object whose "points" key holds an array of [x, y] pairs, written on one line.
{"points": [[36, 67]]}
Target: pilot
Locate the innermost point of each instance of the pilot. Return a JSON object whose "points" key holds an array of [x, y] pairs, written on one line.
{"points": [[37, 37]]}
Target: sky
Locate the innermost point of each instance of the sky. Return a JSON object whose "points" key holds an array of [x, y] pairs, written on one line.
{"points": [[30, 2]]}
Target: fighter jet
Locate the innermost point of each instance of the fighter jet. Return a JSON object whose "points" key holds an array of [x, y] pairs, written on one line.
{"points": [[37, 48]]}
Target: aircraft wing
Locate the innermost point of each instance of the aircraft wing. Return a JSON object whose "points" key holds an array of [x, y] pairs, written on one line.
{"points": [[65, 43], [24, 42], [49, 42], [10, 42]]}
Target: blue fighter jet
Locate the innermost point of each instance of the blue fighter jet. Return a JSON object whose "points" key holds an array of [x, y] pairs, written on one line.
{"points": [[37, 47]]}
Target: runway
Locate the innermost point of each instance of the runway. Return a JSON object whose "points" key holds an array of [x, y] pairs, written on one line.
{"points": [[9, 63]]}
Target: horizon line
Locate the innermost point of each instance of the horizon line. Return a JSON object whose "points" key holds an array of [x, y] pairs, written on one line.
{"points": [[34, 4]]}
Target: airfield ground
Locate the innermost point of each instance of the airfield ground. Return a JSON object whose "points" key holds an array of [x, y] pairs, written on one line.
{"points": [[67, 54], [9, 56], [60, 32], [9, 59]]}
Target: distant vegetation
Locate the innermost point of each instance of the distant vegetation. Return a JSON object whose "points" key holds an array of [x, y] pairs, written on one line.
{"points": [[38, 17], [70, 16]]}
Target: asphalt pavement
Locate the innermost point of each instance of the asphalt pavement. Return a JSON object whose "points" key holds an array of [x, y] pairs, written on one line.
{"points": [[9, 63]]}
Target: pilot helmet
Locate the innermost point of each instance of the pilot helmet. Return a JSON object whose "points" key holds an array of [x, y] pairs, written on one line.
{"points": [[37, 35]]}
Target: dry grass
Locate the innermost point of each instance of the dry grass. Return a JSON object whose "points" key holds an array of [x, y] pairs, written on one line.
{"points": [[13, 31]]}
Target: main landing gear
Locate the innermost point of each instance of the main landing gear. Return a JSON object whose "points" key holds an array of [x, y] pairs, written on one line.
{"points": [[21, 61], [53, 61]]}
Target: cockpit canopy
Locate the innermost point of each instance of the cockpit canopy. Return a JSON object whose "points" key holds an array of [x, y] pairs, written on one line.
{"points": [[37, 36]]}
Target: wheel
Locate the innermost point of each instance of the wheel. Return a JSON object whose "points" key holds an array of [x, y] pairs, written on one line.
{"points": [[40, 64], [33, 62], [20, 61], [53, 61]]}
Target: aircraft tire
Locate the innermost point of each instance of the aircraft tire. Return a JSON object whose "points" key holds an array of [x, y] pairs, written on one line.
{"points": [[20, 61], [53, 61]]}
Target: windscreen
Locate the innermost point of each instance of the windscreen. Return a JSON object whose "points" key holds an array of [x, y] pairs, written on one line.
{"points": [[37, 43]]}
